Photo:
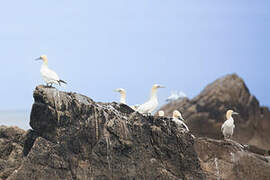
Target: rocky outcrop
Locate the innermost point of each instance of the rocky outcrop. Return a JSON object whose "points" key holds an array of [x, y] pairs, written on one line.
{"points": [[206, 112], [229, 160], [11, 150], [74, 137]]}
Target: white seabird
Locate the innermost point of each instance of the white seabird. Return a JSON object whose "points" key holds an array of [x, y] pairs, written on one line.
{"points": [[122, 95], [149, 106], [178, 119], [48, 75], [161, 113], [228, 126]]}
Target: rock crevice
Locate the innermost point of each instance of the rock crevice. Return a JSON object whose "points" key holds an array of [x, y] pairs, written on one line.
{"points": [[74, 137]]}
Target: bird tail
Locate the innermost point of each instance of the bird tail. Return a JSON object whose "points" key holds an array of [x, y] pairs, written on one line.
{"points": [[61, 81]]}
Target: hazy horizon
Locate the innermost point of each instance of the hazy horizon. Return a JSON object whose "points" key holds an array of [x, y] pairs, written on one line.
{"points": [[19, 118], [98, 46]]}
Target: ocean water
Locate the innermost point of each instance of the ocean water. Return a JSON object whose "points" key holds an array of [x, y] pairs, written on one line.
{"points": [[19, 118]]}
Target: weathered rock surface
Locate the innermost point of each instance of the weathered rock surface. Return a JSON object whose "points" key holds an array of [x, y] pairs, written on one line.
{"points": [[229, 160], [206, 112], [74, 137], [11, 150]]}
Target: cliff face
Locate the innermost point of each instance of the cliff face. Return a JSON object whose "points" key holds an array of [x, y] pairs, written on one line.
{"points": [[206, 112], [231, 161], [11, 150], [74, 137]]}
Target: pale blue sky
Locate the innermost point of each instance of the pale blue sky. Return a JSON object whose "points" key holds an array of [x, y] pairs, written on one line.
{"points": [[97, 46]]}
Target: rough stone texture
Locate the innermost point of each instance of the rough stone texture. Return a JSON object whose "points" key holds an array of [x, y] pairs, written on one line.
{"points": [[74, 137], [206, 112], [229, 160], [11, 148]]}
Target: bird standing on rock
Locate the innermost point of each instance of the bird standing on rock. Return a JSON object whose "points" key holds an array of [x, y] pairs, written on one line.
{"points": [[178, 119], [149, 106], [123, 95], [48, 75], [228, 126]]}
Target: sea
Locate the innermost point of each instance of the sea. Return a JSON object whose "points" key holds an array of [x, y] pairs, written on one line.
{"points": [[19, 118]]}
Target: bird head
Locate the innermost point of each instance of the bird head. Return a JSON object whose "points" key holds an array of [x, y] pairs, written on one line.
{"points": [[43, 58], [177, 115], [157, 86], [230, 113], [120, 90], [160, 113]]}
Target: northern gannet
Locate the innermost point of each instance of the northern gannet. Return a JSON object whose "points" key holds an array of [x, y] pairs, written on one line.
{"points": [[228, 126], [123, 98], [149, 106], [178, 119], [122, 95], [48, 75], [161, 113]]}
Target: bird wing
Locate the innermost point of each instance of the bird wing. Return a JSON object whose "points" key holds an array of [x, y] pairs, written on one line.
{"points": [[144, 108], [179, 123], [223, 125], [50, 74], [184, 125]]}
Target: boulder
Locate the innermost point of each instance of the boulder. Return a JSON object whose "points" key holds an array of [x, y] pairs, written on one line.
{"points": [[230, 160], [206, 112], [74, 137], [11, 150]]}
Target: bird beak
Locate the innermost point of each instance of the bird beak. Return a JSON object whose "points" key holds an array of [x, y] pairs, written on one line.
{"points": [[38, 59], [161, 86], [116, 90], [236, 113]]}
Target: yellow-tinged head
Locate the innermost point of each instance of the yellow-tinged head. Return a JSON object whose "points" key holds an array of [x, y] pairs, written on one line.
{"points": [[161, 113], [43, 58], [178, 115], [230, 113], [156, 86], [120, 90]]}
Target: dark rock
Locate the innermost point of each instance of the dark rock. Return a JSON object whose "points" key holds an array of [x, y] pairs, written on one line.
{"points": [[11, 147], [206, 112], [74, 137], [30, 138], [229, 160]]}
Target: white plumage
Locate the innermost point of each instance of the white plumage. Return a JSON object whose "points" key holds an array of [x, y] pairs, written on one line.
{"points": [[178, 119], [161, 113], [122, 95], [228, 126], [149, 106], [48, 75]]}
